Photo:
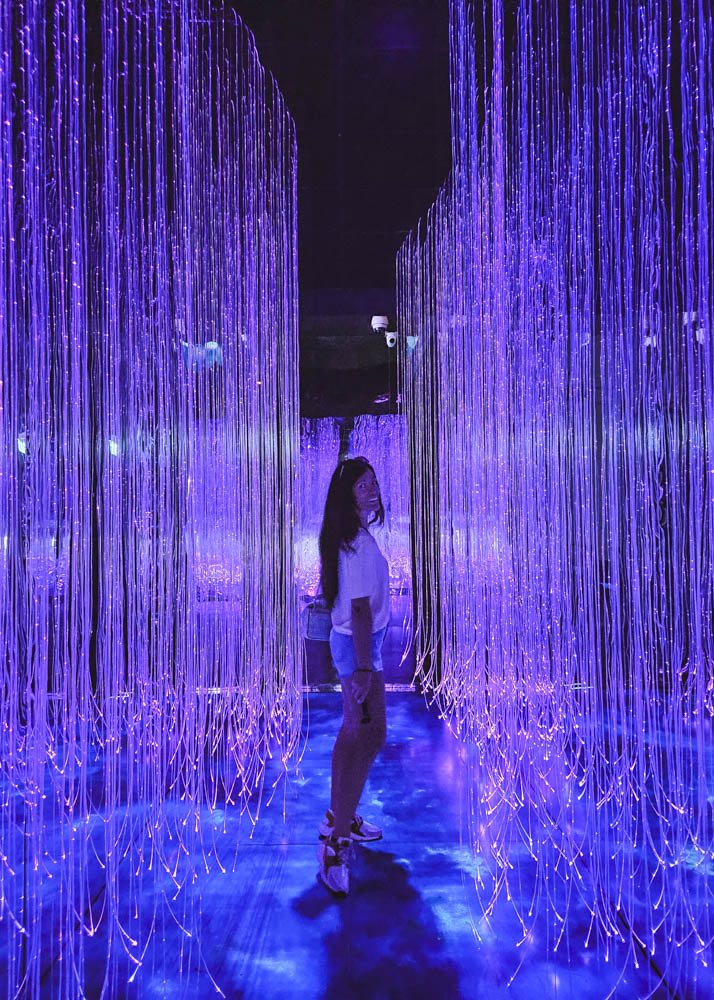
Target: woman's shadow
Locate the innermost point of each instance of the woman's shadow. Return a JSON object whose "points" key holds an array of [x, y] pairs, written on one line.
{"points": [[389, 945]]}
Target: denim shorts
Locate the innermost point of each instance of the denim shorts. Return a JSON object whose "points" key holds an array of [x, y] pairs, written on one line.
{"points": [[342, 648]]}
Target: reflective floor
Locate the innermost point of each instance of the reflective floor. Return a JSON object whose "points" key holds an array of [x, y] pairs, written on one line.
{"points": [[412, 927]]}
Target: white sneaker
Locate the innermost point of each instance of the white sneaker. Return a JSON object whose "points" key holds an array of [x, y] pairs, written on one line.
{"points": [[334, 856], [360, 830]]}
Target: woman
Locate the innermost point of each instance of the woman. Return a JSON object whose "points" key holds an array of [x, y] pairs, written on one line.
{"points": [[355, 585]]}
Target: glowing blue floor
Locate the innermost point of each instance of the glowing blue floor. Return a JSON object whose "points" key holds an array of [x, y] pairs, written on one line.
{"points": [[266, 928]]}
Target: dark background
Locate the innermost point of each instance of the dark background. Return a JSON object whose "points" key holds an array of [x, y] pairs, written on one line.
{"points": [[367, 83]]}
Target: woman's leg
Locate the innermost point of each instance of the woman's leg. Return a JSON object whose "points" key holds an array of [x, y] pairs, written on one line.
{"points": [[356, 747]]}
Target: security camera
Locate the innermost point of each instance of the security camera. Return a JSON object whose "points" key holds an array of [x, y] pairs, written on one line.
{"points": [[391, 338], [380, 323]]}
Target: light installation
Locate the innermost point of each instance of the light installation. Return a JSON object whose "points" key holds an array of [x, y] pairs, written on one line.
{"points": [[149, 646], [560, 402]]}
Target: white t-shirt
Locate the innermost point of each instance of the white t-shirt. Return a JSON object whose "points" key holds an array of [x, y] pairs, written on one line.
{"points": [[361, 573]]}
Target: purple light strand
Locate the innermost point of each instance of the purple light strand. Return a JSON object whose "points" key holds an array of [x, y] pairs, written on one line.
{"points": [[559, 407], [149, 419]]}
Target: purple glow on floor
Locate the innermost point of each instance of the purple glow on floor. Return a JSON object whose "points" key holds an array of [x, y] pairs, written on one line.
{"points": [[149, 420], [560, 404]]}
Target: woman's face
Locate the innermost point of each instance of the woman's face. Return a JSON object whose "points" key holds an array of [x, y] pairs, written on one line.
{"points": [[366, 494]]}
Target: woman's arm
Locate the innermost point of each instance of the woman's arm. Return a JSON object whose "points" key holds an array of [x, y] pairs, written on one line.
{"points": [[362, 638]]}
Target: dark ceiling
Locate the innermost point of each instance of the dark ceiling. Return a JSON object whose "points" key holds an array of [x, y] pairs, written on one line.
{"points": [[367, 83]]}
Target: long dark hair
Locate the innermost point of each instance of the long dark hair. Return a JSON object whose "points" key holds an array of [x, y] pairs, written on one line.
{"points": [[340, 522]]}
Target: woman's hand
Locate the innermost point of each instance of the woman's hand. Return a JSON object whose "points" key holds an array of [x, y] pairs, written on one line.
{"points": [[361, 681]]}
